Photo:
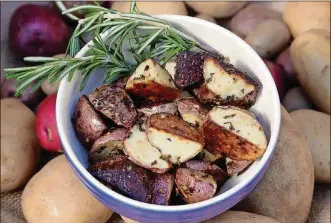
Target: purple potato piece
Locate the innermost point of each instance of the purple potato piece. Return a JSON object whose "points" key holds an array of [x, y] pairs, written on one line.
{"points": [[162, 188], [88, 124], [236, 166], [114, 103], [208, 168], [195, 186], [125, 177]]}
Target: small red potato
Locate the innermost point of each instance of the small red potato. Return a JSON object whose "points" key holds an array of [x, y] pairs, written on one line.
{"points": [[162, 188], [208, 168], [278, 75]]}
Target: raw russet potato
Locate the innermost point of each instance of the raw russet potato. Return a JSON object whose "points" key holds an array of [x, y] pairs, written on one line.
{"points": [[295, 99], [128, 220], [278, 6], [245, 21], [269, 37], [240, 217], [286, 189], [304, 16], [310, 53], [315, 126], [55, 194], [217, 9], [206, 17], [152, 8], [20, 150]]}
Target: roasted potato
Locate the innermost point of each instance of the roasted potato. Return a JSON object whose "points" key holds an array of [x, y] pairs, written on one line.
{"points": [[114, 103], [208, 168], [124, 176], [141, 152], [108, 144], [162, 188], [236, 166], [195, 186], [153, 83], [176, 139], [206, 156], [191, 111], [234, 132], [226, 85], [170, 108], [88, 124]]}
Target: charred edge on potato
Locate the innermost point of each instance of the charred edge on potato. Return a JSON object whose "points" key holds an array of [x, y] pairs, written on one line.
{"points": [[162, 188], [208, 168], [170, 108], [236, 166]]}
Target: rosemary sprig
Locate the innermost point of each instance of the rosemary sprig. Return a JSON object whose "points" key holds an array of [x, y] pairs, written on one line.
{"points": [[148, 37]]}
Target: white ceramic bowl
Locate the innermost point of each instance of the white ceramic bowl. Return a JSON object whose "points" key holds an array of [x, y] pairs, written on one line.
{"points": [[267, 109]]}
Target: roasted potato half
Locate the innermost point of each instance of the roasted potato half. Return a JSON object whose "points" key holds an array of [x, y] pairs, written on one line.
{"points": [[176, 139], [206, 156], [226, 85], [236, 166], [208, 168], [191, 111], [124, 177], [170, 108], [141, 151], [114, 103], [108, 144], [88, 124], [195, 186], [152, 82], [234, 132], [162, 188]]}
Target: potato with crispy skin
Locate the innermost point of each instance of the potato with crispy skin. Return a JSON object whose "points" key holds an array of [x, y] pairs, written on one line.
{"points": [[124, 176], [176, 139], [226, 85], [236, 166], [192, 111], [195, 186], [108, 144], [208, 168], [88, 124], [152, 82], [114, 103], [206, 156], [141, 152], [234, 132], [170, 108], [161, 188]]}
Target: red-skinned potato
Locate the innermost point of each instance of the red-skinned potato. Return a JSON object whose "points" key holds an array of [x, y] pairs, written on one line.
{"points": [[191, 111], [46, 128], [208, 168], [38, 31], [284, 60], [162, 188], [278, 75], [236, 166], [27, 97]]}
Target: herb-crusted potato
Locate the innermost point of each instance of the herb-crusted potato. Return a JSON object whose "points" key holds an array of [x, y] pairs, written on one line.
{"points": [[170, 108], [108, 144], [236, 166], [234, 132], [114, 103], [88, 124], [152, 82], [176, 139], [208, 168], [195, 186], [124, 176], [226, 85], [162, 188], [191, 111], [209, 157], [142, 153]]}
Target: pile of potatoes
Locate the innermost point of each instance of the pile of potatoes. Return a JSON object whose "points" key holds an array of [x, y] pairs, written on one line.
{"points": [[294, 41]]}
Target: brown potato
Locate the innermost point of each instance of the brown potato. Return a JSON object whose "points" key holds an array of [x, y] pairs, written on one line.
{"points": [[234, 132], [208, 168], [237, 89], [295, 99], [88, 124], [176, 139], [153, 83], [114, 103], [141, 151], [239, 217], [162, 188], [108, 144], [236, 166], [217, 9], [124, 176], [195, 186], [170, 108], [206, 17], [191, 111], [245, 21]]}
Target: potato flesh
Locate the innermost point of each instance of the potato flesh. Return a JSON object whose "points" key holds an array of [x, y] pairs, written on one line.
{"points": [[142, 153], [191, 111], [241, 123], [177, 148], [209, 157], [170, 108], [225, 84]]}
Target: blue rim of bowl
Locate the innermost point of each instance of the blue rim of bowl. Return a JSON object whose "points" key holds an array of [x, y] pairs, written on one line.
{"points": [[84, 175]]}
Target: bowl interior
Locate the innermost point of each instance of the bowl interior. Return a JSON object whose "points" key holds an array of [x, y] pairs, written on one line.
{"points": [[267, 107]]}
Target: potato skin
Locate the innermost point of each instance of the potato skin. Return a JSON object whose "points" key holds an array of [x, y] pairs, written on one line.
{"points": [[236, 166], [162, 188], [208, 168], [240, 217], [56, 191], [217, 9], [88, 124], [20, 150], [154, 108], [295, 99], [310, 53], [190, 107]]}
